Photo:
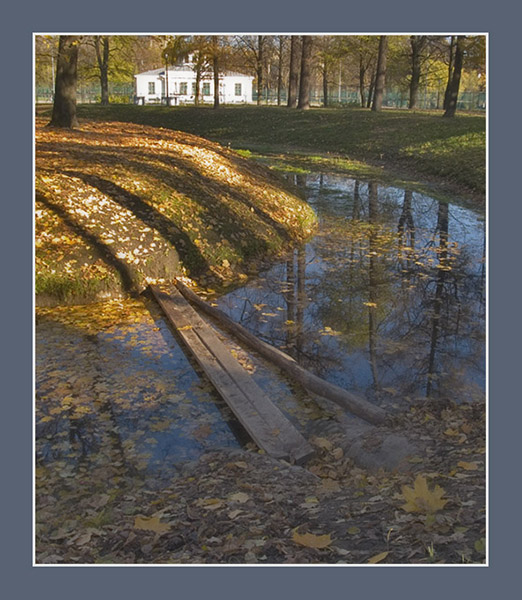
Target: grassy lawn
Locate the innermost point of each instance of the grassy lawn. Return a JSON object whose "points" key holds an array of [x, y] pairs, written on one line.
{"points": [[418, 147]]}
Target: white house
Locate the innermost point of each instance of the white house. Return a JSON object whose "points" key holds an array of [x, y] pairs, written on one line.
{"points": [[178, 84]]}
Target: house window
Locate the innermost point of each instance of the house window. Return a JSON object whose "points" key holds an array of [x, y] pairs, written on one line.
{"points": [[152, 87], [206, 89], [183, 88], [193, 88], [237, 89]]}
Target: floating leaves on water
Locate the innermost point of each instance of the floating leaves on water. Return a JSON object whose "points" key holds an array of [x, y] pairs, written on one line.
{"points": [[420, 499]]}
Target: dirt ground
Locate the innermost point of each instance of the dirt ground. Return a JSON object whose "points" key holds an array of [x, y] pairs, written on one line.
{"points": [[240, 506]]}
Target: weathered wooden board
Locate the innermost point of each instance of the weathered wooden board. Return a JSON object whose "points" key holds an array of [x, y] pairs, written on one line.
{"points": [[263, 421], [348, 400]]}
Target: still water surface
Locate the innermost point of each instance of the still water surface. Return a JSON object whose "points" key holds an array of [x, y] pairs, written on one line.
{"points": [[387, 300]]}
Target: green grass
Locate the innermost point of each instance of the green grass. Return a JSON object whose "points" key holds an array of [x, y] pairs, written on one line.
{"points": [[418, 145]]}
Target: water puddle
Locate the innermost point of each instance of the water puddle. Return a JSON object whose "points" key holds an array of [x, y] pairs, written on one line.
{"points": [[387, 300], [114, 387]]}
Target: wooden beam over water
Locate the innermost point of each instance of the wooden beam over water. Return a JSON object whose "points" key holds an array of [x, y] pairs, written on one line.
{"points": [[348, 400], [263, 421]]}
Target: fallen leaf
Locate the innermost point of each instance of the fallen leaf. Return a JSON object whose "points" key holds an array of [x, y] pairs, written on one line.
{"points": [[210, 503], [420, 499], [240, 497], [378, 558], [150, 524], [468, 466], [322, 443], [310, 540]]}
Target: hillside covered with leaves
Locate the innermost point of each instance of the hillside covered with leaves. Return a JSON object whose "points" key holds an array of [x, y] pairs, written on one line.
{"points": [[119, 205]]}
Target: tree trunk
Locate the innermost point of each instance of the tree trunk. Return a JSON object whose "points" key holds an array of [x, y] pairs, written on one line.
{"points": [[64, 107], [371, 90], [215, 66], [450, 72], [417, 44], [380, 77], [259, 68], [198, 84], [325, 85], [293, 83], [362, 73], [453, 92], [280, 70], [306, 73], [102, 56]]}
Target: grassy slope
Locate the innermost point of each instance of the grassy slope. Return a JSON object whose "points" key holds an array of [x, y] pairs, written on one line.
{"points": [[418, 145], [118, 205]]}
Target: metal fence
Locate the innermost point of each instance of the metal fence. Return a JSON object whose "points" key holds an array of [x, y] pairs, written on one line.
{"points": [[124, 94], [119, 93], [392, 98]]}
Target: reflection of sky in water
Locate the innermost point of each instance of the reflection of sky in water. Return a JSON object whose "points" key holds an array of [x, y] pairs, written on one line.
{"points": [[427, 322], [136, 399], [129, 396]]}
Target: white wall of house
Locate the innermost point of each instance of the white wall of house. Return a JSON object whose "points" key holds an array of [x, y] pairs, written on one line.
{"points": [[151, 87]]}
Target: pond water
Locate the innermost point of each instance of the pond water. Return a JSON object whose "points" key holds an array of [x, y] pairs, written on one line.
{"points": [[388, 300]]}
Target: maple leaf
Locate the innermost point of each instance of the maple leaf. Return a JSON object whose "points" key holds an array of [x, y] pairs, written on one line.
{"points": [[420, 499], [310, 540]]}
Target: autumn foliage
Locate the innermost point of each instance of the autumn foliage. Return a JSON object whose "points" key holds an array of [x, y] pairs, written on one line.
{"points": [[119, 205]]}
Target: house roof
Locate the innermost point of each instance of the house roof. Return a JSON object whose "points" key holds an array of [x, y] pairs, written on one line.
{"points": [[185, 68]]}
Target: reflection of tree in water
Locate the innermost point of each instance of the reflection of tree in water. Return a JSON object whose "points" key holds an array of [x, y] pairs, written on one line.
{"points": [[442, 231], [385, 296]]}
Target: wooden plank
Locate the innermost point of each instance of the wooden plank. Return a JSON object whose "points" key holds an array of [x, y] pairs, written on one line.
{"points": [[264, 422], [312, 383]]}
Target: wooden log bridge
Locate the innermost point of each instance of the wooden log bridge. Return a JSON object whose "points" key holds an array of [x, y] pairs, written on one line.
{"points": [[349, 401], [263, 421]]}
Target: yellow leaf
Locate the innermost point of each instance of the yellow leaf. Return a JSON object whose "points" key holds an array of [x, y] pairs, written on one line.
{"points": [[451, 432], [240, 497], [150, 524], [310, 540], [468, 466], [378, 558], [322, 443], [421, 499]]}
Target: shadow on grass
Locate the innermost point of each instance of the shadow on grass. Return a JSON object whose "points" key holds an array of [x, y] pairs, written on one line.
{"points": [[192, 182], [126, 274], [188, 252]]}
